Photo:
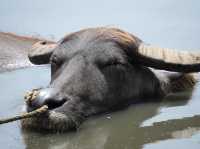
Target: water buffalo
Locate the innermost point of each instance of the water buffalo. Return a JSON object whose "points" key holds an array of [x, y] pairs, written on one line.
{"points": [[101, 69]]}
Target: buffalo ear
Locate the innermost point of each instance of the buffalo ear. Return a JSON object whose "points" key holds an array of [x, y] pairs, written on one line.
{"points": [[40, 52]]}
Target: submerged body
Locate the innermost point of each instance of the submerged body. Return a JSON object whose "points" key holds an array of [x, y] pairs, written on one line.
{"points": [[101, 69]]}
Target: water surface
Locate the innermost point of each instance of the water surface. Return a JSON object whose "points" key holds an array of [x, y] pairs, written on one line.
{"points": [[174, 121]]}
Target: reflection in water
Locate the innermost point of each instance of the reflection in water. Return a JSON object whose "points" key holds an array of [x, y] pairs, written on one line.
{"points": [[121, 129], [186, 133], [191, 143], [116, 130], [168, 112]]}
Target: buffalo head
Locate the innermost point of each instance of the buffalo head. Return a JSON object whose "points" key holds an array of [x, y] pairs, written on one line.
{"points": [[96, 70]]}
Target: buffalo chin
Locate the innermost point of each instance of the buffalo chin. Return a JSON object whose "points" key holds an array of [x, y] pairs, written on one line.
{"points": [[51, 122]]}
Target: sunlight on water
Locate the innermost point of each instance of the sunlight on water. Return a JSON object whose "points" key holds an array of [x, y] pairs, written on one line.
{"points": [[168, 113], [189, 143]]}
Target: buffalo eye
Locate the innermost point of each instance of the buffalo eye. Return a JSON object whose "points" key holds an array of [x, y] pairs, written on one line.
{"points": [[112, 63]]}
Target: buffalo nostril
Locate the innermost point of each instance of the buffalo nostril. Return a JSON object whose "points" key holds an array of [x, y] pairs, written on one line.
{"points": [[54, 103], [43, 42], [47, 96]]}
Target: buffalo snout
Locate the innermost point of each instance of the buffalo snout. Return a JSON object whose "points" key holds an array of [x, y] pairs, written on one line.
{"points": [[47, 96]]}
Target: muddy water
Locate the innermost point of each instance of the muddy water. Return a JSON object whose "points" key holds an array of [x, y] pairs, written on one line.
{"points": [[172, 123]]}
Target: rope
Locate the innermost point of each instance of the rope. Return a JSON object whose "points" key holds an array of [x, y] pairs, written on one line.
{"points": [[29, 97], [25, 115]]}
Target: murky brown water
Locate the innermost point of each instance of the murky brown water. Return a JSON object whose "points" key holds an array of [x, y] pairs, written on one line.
{"points": [[172, 123]]}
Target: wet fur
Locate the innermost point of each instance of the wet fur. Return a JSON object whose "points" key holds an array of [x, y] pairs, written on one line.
{"points": [[87, 81]]}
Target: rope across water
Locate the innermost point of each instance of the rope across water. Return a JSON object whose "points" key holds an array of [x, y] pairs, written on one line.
{"points": [[28, 97]]}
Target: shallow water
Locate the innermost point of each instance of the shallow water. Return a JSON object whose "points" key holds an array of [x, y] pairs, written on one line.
{"points": [[172, 123]]}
